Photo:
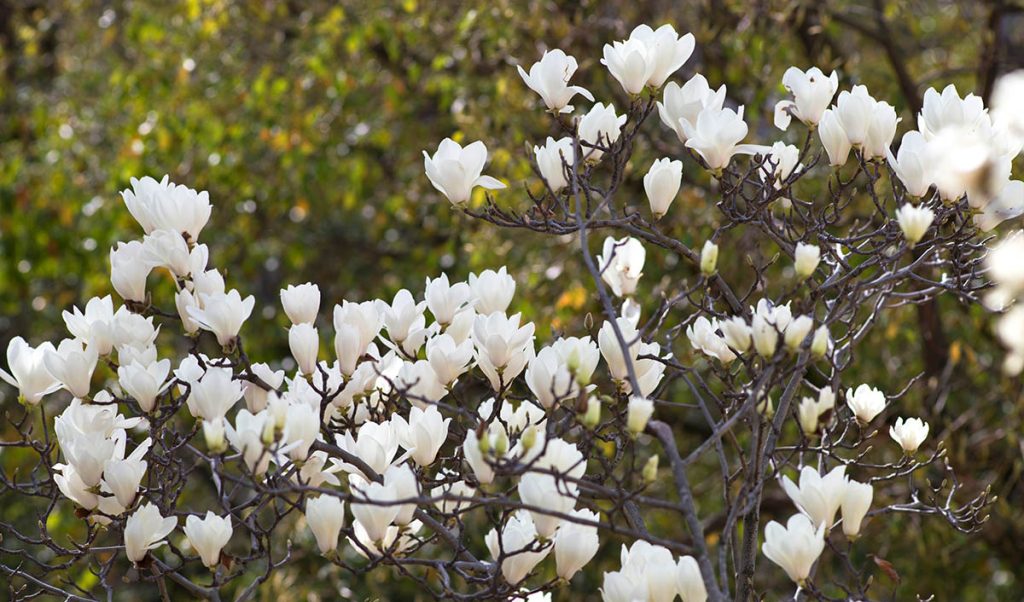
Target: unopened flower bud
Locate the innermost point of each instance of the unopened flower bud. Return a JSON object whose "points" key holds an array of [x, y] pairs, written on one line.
{"points": [[650, 472], [592, 416], [709, 258], [820, 342]]}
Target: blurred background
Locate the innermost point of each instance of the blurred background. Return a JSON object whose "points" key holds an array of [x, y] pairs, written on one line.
{"points": [[305, 121]]}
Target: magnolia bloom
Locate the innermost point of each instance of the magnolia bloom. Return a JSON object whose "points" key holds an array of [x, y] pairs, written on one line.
{"points": [[684, 104], [211, 396], [208, 536], [164, 205], [167, 249], [855, 109], [576, 544], [639, 413], [444, 300], [516, 547], [648, 57], [223, 314], [325, 515], [736, 333], [662, 183], [797, 331], [449, 360], [909, 433], [812, 93], [552, 494], [795, 547], [708, 258], [424, 434], [810, 410], [716, 136], [144, 382], [622, 263], [881, 131], [554, 161], [304, 343], [914, 222], [947, 110], [689, 580], [648, 572], [911, 164], [122, 476], [247, 435], [502, 346], [454, 171], [549, 77], [782, 160], [96, 325], [819, 497], [599, 127], [28, 371], [1005, 104], [856, 503], [492, 291], [301, 429], [72, 364], [866, 402], [129, 269], [355, 327], [703, 335], [765, 336], [145, 530], [301, 303], [375, 514], [806, 261], [614, 355], [834, 139]]}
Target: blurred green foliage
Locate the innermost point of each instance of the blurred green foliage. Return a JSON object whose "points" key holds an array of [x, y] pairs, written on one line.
{"points": [[306, 120]]}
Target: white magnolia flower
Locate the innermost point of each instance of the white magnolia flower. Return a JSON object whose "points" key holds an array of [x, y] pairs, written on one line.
{"points": [[122, 476], [914, 222], [516, 547], [783, 159], [301, 303], [599, 127], [866, 402], [246, 437], [834, 139], [810, 410], [95, 326], [819, 497], [555, 160], [716, 136], [448, 359], [855, 109], [648, 572], [167, 249], [502, 346], [909, 433], [304, 343], [377, 512], [375, 443], [911, 164], [855, 504], [549, 77], [164, 205], [492, 291], [576, 543], [795, 547], [355, 327], [72, 364], [301, 429], [423, 434], [325, 515], [455, 171], [28, 371], [212, 395], [622, 264], [797, 331], [648, 57], [708, 258], [129, 268], [145, 530], [444, 300], [807, 258], [662, 183], [948, 110], [553, 495], [684, 104], [639, 412], [223, 314], [812, 94], [703, 335], [208, 536]]}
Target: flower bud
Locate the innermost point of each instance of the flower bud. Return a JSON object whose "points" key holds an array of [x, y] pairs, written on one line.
{"points": [[592, 416], [821, 342], [650, 472], [638, 413], [807, 259], [914, 221], [709, 258]]}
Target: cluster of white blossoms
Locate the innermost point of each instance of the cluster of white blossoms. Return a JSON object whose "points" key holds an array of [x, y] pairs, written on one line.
{"points": [[375, 468]]}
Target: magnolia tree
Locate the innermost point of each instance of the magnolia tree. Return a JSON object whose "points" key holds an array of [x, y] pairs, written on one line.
{"points": [[432, 435]]}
